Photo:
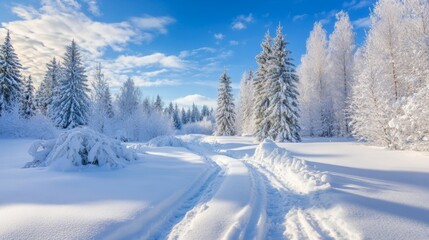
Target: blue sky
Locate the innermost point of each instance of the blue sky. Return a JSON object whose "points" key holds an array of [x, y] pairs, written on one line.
{"points": [[177, 49]]}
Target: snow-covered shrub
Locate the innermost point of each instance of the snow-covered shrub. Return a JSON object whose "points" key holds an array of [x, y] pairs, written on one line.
{"points": [[166, 141], [80, 147], [13, 125], [202, 127], [299, 176]]}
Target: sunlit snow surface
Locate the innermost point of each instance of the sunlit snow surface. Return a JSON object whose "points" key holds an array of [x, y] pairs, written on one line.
{"points": [[215, 188]]}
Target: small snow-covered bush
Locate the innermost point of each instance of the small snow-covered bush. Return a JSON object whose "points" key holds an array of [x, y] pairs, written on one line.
{"points": [[80, 147], [166, 141], [299, 176], [13, 125], [202, 127]]}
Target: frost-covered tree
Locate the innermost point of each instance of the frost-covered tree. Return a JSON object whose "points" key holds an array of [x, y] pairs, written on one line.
{"points": [[28, 108], [246, 108], [10, 76], [394, 70], [261, 102], [315, 98], [225, 114], [205, 112], [282, 113], [102, 108], [47, 90], [129, 98], [71, 106], [340, 70]]}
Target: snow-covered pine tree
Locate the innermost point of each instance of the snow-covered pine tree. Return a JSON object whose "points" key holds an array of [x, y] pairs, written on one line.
{"points": [[46, 92], [129, 98], [183, 116], [10, 76], [28, 108], [282, 113], [205, 112], [170, 109], [195, 114], [158, 104], [245, 113], [340, 65], [71, 107], [225, 114], [176, 118], [260, 87], [102, 108]]}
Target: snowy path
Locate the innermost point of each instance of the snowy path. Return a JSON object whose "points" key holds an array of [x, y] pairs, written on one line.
{"points": [[251, 202], [231, 209]]}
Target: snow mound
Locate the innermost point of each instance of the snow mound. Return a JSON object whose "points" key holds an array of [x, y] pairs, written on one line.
{"points": [[300, 177], [166, 141], [78, 148]]}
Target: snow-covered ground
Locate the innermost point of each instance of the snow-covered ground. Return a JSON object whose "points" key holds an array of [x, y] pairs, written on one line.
{"points": [[218, 188]]}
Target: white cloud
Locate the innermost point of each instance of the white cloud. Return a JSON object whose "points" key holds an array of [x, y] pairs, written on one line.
{"points": [[233, 43], [357, 4], [154, 23], [219, 36], [193, 52], [93, 7], [299, 17], [196, 99], [43, 33], [362, 22], [155, 73], [133, 61], [241, 21]]}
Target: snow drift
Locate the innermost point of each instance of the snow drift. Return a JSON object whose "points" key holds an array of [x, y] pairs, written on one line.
{"points": [[298, 175], [80, 147], [165, 141]]}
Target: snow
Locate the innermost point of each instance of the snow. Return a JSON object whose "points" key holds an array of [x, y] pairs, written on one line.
{"points": [[165, 141], [221, 188]]}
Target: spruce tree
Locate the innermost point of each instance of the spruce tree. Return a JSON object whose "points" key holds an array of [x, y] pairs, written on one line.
{"points": [[158, 104], [28, 108], [10, 76], [225, 114], [282, 113], [71, 107], [46, 92], [176, 118], [261, 96], [183, 116]]}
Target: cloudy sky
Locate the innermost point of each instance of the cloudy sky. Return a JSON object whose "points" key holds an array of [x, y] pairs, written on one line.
{"points": [[176, 49]]}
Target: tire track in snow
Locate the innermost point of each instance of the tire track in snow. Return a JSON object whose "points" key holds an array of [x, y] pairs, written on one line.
{"points": [[245, 221]]}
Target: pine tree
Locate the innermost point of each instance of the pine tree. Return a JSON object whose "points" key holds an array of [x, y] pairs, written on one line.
{"points": [[129, 99], [158, 104], [46, 92], [170, 109], [225, 115], [176, 118], [10, 76], [195, 114], [28, 108], [71, 107], [184, 117], [260, 87], [282, 113]]}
